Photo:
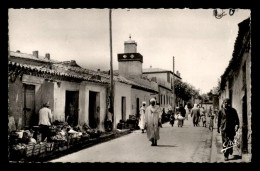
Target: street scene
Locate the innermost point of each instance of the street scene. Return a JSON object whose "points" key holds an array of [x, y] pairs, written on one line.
{"points": [[176, 144], [129, 86]]}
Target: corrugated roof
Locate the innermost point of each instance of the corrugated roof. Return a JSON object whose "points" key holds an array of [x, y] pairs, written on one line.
{"points": [[54, 72]]}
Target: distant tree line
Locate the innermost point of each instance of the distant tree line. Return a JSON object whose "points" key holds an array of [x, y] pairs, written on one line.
{"points": [[185, 91]]}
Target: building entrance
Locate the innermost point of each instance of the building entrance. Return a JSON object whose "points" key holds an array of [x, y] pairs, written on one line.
{"points": [[94, 109]]}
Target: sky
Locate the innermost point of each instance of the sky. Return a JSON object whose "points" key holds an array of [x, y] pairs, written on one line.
{"points": [[201, 44]]}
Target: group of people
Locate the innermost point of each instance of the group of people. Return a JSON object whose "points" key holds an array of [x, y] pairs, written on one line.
{"points": [[227, 122], [150, 119], [199, 114]]}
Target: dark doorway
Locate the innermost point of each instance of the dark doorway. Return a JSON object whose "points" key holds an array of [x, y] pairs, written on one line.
{"points": [[72, 107], [94, 109], [245, 125], [123, 103], [30, 119], [137, 107], [244, 113]]}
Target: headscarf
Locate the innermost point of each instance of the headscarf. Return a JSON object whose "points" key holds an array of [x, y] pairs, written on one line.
{"points": [[144, 102], [152, 99]]}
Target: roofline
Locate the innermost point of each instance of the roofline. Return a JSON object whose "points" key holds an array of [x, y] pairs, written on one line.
{"points": [[53, 72], [154, 72], [164, 87], [142, 88], [42, 58]]}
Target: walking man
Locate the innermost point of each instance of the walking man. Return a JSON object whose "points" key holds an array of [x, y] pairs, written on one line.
{"points": [[45, 120], [228, 122], [195, 113], [141, 123], [153, 120]]}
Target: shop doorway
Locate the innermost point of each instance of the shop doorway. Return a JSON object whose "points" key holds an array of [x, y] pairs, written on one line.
{"points": [[123, 107], [137, 107], [30, 118], [72, 107], [94, 109]]}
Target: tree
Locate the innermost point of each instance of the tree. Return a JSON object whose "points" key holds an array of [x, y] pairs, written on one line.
{"points": [[184, 91]]}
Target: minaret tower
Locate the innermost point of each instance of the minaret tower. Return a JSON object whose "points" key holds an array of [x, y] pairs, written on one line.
{"points": [[130, 62]]}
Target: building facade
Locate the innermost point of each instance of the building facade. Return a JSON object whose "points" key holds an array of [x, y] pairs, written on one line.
{"points": [[35, 80], [236, 85], [165, 80]]}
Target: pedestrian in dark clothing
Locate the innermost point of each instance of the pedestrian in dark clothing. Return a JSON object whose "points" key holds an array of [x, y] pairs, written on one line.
{"points": [[182, 112], [172, 119], [228, 122]]}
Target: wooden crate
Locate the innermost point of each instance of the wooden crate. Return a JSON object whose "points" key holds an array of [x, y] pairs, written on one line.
{"points": [[36, 149], [29, 151], [42, 148], [49, 146]]}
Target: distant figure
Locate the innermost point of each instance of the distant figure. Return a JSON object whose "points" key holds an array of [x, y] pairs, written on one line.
{"points": [[70, 119], [211, 122], [152, 120], [109, 120], [45, 120], [195, 113], [141, 123], [187, 112], [203, 117], [172, 119], [183, 113]]}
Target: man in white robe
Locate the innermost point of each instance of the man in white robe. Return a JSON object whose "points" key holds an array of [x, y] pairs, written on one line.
{"points": [[152, 120], [142, 117]]}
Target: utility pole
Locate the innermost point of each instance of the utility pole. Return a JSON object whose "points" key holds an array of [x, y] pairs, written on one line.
{"points": [[111, 67], [173, 79]]}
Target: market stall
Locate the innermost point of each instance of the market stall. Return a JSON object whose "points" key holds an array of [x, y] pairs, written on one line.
{"points": [[28, 145]]}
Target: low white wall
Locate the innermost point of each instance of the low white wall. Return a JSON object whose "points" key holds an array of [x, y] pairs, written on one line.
{"points": [[120, 90]]}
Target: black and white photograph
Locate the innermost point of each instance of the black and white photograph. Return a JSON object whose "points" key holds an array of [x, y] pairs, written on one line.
{"points": [[129, 85]]}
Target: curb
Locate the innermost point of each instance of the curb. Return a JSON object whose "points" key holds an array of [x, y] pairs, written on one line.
{"points": [[87, 145], [56, 154]]}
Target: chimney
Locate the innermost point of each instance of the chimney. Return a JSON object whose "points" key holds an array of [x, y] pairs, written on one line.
{"points": [[47, 56], [36, 54], [179, 74]]}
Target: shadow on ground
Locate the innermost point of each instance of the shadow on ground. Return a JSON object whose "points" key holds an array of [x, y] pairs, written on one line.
{"points": [[166, 146], [235, 157]]}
